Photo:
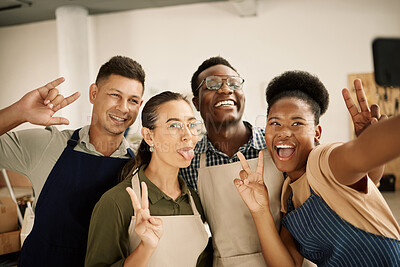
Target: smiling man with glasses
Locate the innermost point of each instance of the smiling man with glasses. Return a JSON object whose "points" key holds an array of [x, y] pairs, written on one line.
{"points": [[219, 97], [215, 82]]}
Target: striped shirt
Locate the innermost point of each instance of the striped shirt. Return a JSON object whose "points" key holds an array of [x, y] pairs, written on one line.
{"points": [[216, 157]]}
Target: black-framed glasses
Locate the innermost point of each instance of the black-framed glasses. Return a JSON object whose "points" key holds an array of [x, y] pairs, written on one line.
{"points": [[215, 82], [177, 127]]}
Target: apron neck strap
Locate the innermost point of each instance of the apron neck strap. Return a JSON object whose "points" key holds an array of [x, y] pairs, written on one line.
{"points": [[130, 152], [202, 160], [192, 204], [73, 141]]}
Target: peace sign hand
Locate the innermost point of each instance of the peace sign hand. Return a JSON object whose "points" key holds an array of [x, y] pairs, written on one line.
{"points": [[251, 186], [367, 115], [148, 228]]}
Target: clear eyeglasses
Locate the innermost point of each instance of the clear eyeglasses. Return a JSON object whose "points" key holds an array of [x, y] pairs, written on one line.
{"points": [[215, 82], [177, 127]]}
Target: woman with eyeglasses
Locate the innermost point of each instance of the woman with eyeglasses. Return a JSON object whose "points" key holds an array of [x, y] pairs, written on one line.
{"points": [[165, 227]]}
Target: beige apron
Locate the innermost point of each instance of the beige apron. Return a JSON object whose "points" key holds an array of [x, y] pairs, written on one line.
{"points": [[183, 240], [233, 231]]}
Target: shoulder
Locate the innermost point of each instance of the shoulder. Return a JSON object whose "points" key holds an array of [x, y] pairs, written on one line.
{"points": [[319, 173], [42, 133], [257, 136], [37, 140], [116, 200], [321, 153]]}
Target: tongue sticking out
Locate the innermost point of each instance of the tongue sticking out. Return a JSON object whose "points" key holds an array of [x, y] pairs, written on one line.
{"points": [[285, 152], [187, 154]]}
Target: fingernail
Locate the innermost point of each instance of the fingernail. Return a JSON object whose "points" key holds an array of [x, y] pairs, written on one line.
{"points": [[46, 102], [246, 182], [51, 106]]}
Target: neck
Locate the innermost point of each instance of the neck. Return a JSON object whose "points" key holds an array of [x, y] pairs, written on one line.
{"points": [[105, 143], [296, 174], [164, 176], [228, 138]]}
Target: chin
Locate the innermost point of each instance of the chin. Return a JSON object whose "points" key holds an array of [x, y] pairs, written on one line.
{"points": [[282, 167], [184, 163], [116, 130]]}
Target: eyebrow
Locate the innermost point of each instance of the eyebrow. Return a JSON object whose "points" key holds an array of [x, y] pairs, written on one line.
{"points": [[292, 118], [298, 118], [176, 119]]}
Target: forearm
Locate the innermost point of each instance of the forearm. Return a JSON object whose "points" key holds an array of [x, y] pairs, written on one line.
{"points": [[377, 145], [10, 118], [274, 251], [140, 256]]}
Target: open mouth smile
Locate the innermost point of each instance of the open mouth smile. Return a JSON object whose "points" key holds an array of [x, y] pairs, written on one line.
{"points": [[116, 118], [284, 151], [224, 103]]}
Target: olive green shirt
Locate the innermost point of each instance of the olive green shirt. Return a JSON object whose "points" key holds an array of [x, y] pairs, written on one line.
{"points": [[34, 152], [108, 241]]}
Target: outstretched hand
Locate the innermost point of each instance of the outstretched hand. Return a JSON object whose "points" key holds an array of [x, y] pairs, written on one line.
{"points": [[251, 185], [148, 228], [38, 106], [367, 115]]}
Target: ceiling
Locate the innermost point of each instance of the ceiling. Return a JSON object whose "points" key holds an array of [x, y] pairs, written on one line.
{"points": [[14, 12]]}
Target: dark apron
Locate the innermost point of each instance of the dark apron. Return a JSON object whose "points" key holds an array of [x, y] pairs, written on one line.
{"points": [[63, 210], [326, 239]]}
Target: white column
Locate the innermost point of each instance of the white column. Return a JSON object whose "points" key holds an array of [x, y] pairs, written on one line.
{"points": [[73, 54]]}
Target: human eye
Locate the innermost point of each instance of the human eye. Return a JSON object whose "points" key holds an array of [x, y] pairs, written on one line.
{"points": [[195, 127], [114, 94], [274, 123], [213, 82], [175, 125], [235, 81], [133, 101], [297, 123], [192, 124]]}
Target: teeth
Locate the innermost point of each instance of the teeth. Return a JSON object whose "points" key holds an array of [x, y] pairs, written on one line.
{"points": [[117, 118], [224, 103], [284, 146]]}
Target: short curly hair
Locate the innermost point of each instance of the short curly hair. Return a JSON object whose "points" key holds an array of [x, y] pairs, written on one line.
{"points": [[208, 63], [301, 85]]}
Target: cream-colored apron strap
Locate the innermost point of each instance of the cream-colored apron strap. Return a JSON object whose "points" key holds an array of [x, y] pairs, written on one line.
{"points": [[136, 185], [202, 160], [192, 204], [266, 153]]}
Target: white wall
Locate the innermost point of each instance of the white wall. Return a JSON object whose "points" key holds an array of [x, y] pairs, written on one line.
{"points": [[328, 38]]}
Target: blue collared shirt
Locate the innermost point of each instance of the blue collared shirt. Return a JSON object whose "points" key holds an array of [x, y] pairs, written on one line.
{"points": [[215, 157]]}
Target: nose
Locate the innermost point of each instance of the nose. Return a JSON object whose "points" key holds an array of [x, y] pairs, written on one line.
{"points": [[225, 89], [123, 106], [285, 132], [186, 133]]}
